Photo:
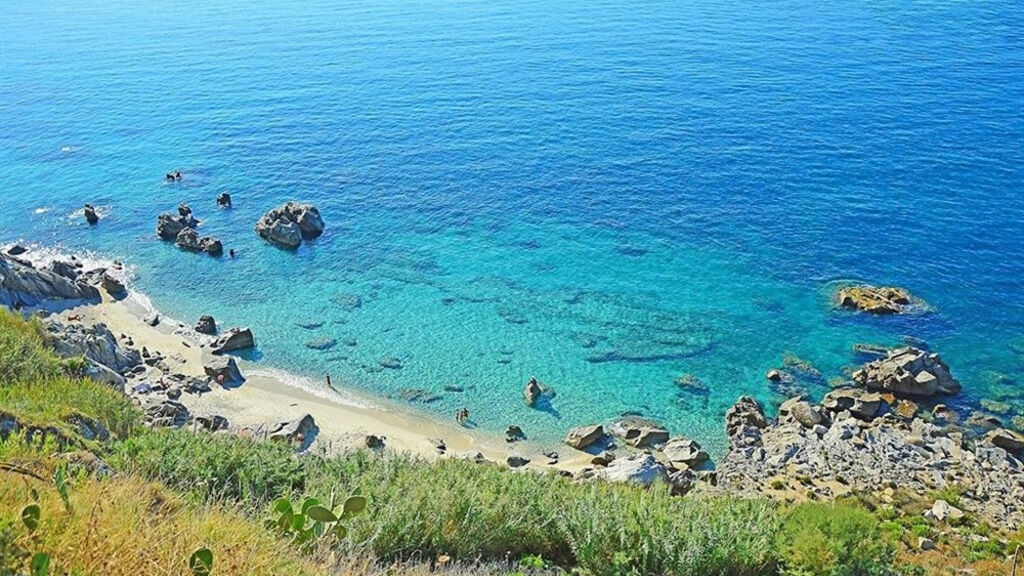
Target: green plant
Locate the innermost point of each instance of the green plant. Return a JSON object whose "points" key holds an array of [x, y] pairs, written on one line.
{"points": [[531, 561], [201, 562], [313, 520], [819, 539], [39, 565]]}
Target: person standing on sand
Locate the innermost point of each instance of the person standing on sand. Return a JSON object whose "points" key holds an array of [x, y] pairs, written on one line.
{"points": [[328, 380]]}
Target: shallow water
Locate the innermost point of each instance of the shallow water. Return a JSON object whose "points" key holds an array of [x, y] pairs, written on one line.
{"points": [[603, 195]]}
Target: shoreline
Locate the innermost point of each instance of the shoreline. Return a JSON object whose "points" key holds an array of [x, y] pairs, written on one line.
{"points": [[270, 395]]}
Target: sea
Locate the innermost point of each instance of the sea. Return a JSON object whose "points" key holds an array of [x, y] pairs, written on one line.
{"points": [[645, 205]]}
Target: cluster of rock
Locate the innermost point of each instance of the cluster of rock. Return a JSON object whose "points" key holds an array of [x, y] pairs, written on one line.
{"points": [[288, 225], [910, 372], [876, 299], [22, 284], [182, 230], [827, 448]]}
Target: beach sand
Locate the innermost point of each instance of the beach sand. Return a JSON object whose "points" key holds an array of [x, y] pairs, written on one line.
{"points": [[268, 397]]}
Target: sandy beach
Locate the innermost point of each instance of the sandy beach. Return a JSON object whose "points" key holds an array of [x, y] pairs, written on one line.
{"points": [[269, 396]]}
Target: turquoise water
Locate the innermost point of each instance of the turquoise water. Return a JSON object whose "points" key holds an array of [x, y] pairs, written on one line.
{"points": [[603, 195]]}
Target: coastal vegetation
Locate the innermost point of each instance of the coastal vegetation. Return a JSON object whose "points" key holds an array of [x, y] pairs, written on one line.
{"points": [[85, 486]]}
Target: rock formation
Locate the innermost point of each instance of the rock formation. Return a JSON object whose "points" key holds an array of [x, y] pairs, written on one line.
{"points": [[233, 339], [875, 299], [21, 284], [908, 372], [189, 239], [290, 224], [90, 214], [582, 437], [206, 325]]}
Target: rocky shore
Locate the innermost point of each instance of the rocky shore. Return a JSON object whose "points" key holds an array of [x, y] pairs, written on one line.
{"points": [[887, 435]]}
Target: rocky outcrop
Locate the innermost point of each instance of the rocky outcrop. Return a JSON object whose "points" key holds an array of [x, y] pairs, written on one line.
{"points": [[1006, 439], [908, 372], [112, 284], [96, 342], [21, 284], [166, 413], [797, 410], [532, 392], [232, 340], [206, 325], [188, 239], [290, 224], [583, 437], [875, 299], [90, 214], [639, 432], [744, 421], [168, 226], [224, 200]]}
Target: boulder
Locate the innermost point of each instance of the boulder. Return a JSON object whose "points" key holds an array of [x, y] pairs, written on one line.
{"points": [[166, 413], [222, 366], [24, 285], [797, 410], [517, 461], [206, 325], [908, 371], [64, 269], [16, 250], [90, 214], [862, 404], [290, 224], [514, 434], [211, 423], [104, 375], [682, 451], [372, 441], [875, 299], [151, 319], [774, 375], [112, 285], [234, 339], [582, 437], [224, 200], [297, 430], [639, 432], [639, 468], [184, 210], [1006, 439], [532, 391], [941, 511]]}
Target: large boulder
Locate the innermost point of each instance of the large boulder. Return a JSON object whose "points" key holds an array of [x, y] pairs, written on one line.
{"points": [[532, 391], [908, 371], [103, 375], [290, 224], [875, 299], [23, 285], [112, 284], [638, 431], [206, 325], [638, 468], [96, 342], [234, 339], [862, 404], [582, 437], [222, 369], [797, 410], [1006, 439], [682, 452], [297, 430], [90, 214]]}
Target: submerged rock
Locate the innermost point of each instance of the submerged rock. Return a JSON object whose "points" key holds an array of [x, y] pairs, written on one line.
{"points": [[321, 343], [875, 299], [908, 372], [288, 225]]}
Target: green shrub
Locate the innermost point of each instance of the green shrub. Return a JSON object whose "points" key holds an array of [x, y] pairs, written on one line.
{"points": [[833, 539]]}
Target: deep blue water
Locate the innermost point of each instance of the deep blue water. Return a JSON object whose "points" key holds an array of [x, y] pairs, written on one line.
{"points": [[522, 188]]}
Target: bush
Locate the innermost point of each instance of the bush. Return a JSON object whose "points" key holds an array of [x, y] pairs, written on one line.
{"points": [[833, 540]]}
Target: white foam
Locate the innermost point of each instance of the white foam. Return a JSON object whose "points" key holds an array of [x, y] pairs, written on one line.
{"points": [[315, 387]]}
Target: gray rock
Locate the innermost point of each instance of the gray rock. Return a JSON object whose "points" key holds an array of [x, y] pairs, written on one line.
{"points": [[169, 226], [90, 214], [941, 511], [1006, 439], [96, 342], [206, 325], [582, 437], [517, 461], [151, 319], [797, 410], [374, 442], [532, 391], [639, 432], [23, 285], [112, 285], [639, 468], [63, 268], [682, 451], [290, 224], [863, 405], [908, 371], [103, 375], [232, 340], [189, 239], [321, 343], [222, 366], [16, 250], [298, 430], [745, 419]]}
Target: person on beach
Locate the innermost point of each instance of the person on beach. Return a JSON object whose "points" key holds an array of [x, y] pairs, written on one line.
{"points": [[231, 252], [328, 380]]}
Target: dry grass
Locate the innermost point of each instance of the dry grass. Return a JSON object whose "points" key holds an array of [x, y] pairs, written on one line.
{"points": [[127, 527]]}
